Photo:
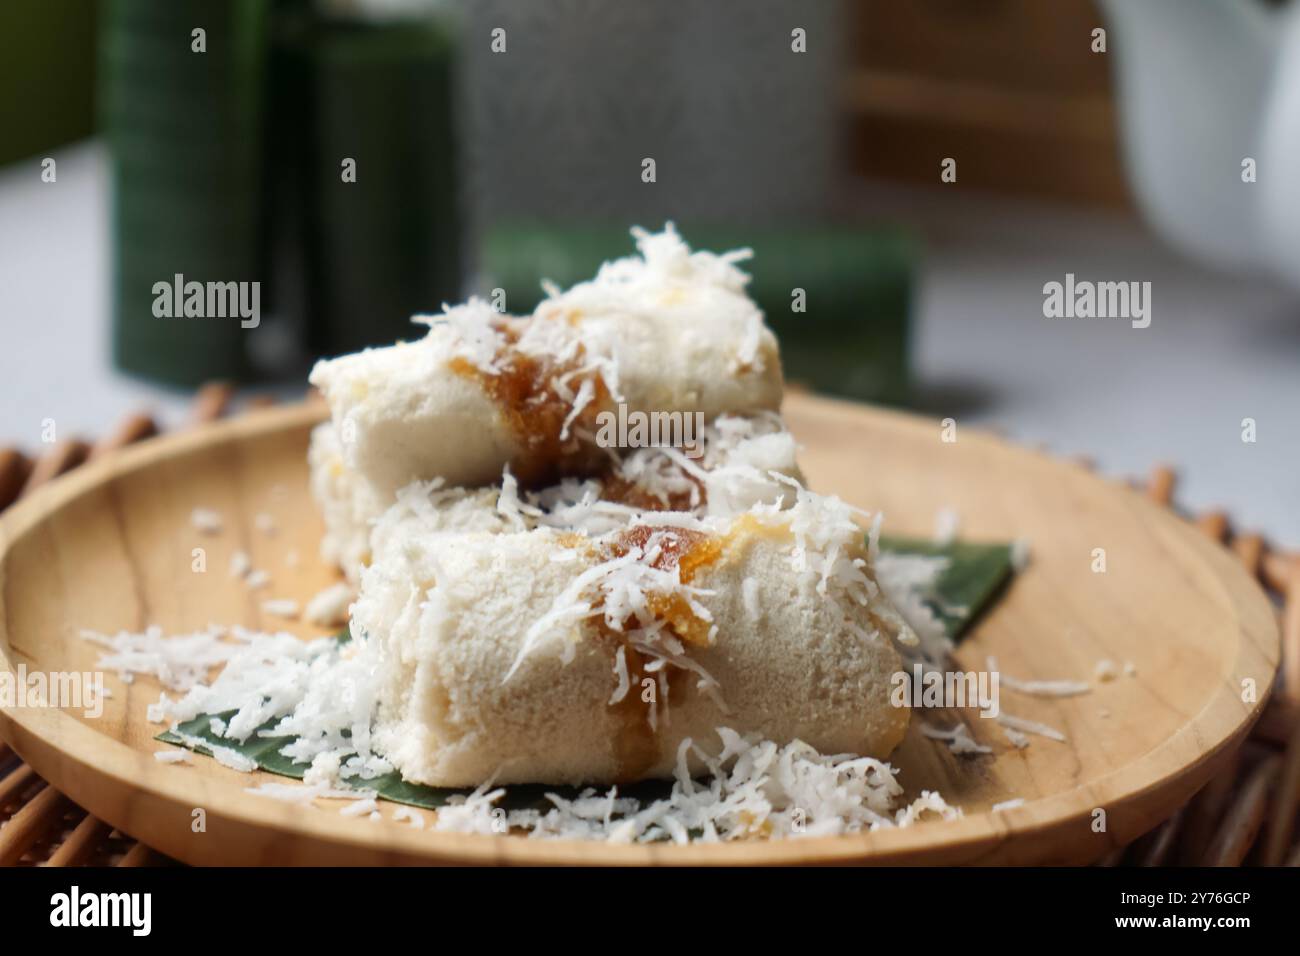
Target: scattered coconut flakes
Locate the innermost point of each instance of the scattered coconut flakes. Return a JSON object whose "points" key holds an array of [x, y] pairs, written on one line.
{"points": [[325, 769], [1030, 727], [156, 713], [280, 607], [947, 522], [1104, 714], [1106, 670], [347, 793], [264, 523], [586, 392], [323, 700], [291, 558], [1018, 740], [928, 802], [359, 807], [329, 607], [307, 792], [1040, 688], [285, 792], [620, 671], [240, 564], [172, 756], [326, 701], [409, 815], [477, 813], [909, 581], [178, 663], [622, 583], [1130, 669], [206, 521], [1008, 805], [959, 739], [225, 756], [755, 789]]}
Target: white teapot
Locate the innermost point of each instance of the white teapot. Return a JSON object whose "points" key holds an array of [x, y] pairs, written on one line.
{"points": [[1209, 94]]}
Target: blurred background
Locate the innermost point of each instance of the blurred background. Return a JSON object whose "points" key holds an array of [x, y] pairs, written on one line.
{"points": [[364, 161]]}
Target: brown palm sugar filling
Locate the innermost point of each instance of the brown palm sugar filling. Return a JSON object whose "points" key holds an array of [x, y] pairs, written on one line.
{"points": [[618, 489], [524, 390], [636, 747]]}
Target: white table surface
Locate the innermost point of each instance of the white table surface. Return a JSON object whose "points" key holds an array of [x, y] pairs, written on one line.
{"points": [[1219, 349]]}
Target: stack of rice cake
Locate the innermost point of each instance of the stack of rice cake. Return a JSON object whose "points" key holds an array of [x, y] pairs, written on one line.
{"points": [[543, 608]]}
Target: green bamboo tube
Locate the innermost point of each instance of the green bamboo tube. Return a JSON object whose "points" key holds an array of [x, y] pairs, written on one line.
{"points": [[185, 132], [386, 246]]}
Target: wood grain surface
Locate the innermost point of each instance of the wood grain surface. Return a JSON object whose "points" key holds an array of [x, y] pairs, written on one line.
{"points": [[111, 547]]}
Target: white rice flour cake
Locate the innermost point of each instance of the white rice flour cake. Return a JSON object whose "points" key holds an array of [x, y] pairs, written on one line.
{"points": [[545, 655], [536, 607], [739, 457], [666, 331]]}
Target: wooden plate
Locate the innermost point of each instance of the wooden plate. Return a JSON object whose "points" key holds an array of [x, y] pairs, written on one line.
{"points": [[111, 546]]}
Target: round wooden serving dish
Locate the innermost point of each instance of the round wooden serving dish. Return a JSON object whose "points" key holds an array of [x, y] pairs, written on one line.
{"points": [[111, 547]]}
